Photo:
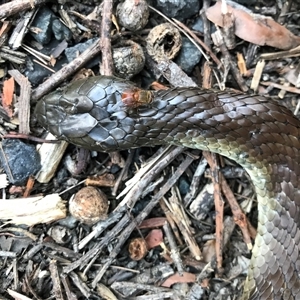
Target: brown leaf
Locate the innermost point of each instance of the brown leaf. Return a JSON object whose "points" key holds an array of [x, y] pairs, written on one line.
{"points": [[254, 28], [154, 238], [153, 222], [186, 277]]}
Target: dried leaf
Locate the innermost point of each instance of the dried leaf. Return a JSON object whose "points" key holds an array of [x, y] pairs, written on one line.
{"points": [[154, 238], [153, 222], [254, 28], [105, 292], [186, 278]]}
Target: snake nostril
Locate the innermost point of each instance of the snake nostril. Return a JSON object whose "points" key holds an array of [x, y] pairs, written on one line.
{"points": [[71, 109]]}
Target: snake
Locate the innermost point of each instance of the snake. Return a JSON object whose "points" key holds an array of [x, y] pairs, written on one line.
{"points": [[105, 113]]}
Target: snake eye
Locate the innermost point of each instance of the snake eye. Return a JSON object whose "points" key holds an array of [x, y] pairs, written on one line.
{"points": [[77, 105]]}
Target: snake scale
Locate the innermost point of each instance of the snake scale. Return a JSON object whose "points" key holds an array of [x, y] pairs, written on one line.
{"points": [[107, 114]]}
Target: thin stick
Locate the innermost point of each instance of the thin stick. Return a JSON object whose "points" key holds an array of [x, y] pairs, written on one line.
{"points": [[13, 7], [56, 79], [107, 66]]}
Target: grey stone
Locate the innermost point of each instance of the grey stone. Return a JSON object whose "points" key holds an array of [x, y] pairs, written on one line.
{"points": [[22, 159], [188, 56], [60, 31], [179, 9], [43, 22], [72, 52], [198, 25]]}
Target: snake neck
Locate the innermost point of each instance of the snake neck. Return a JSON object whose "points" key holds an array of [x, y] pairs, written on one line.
{"points": [[268, 147]]}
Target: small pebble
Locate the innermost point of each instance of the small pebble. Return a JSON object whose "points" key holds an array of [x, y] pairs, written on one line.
{"points": [[37, 73], [198, 25], [189, 56], [180, 9], [72, 52], [70, 222], [184, 185]]}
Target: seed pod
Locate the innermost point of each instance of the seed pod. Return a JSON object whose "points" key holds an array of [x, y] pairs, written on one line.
{"points": [[137, 249], [129, 59], [133, 14], [163, 41], [89, 205]]}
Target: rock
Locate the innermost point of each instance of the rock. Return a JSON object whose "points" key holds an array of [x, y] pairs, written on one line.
{"points": [[198, 25], [189, 56], [60, 31], [72, 52], [179, 9], [43, 25], [22, 159]]}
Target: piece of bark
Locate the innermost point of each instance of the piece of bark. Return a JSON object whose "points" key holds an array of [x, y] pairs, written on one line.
{"points": [[7, 96], [23, 100], [51, 155], [34, 210], [19, 31], [257, 75], [174, 74]]}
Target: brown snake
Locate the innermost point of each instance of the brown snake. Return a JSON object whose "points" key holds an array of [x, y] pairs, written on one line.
{"points": [[108, 114]]}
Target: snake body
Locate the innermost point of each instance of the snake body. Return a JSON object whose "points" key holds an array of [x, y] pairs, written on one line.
{"points": [[259, 134]]}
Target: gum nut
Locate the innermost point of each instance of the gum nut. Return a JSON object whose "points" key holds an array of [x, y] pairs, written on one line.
{"points": [[137, 249], [89, 205]]}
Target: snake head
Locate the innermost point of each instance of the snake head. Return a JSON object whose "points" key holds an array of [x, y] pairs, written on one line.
{"points": [[88, 112]]}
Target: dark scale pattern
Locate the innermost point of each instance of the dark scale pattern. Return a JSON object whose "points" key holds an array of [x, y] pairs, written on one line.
{"points": [[257, 133]]}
